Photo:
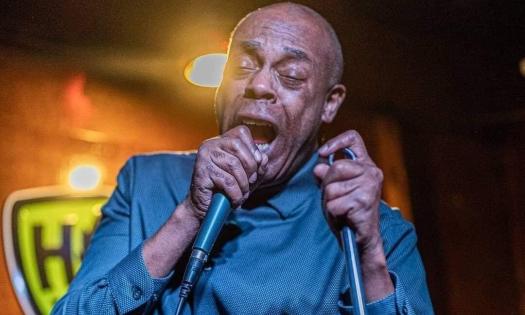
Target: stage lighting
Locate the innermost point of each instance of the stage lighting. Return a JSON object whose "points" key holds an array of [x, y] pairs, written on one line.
{"points": [[206, 70], [84, 177]]}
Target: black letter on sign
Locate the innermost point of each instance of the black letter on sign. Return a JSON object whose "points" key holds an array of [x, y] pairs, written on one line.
{"points": [[63, 251]]}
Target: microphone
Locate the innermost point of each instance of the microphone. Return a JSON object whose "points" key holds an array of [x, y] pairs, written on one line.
{"points": [[357, 292], [218, 211]]}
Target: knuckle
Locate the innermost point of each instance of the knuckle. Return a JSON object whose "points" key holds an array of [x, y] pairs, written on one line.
{"points": [[340, 166], [351, 134], [236, 144], [229, 182], [380, 175], [217, 154], [243, 130], [209, 167], [203, 150], [375, 175], [366, 200], [208, 142], [330, 191], [233, 164]]}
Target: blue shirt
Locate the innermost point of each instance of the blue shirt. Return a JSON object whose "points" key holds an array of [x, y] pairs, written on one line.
{"points": [[279, 257]]}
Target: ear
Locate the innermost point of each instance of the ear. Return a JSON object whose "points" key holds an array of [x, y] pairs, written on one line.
{"points": [[334, 98]]}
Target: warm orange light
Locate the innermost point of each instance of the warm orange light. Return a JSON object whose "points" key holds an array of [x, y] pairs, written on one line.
{"points": [[206, 70], [522, 66]]}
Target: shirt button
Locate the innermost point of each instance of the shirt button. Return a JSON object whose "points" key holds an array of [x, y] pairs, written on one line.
{"points": [[405, 309], [102, 284], [137, 292]]}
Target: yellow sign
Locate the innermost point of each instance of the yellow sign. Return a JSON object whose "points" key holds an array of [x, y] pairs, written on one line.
{"points": [[46, 231]]}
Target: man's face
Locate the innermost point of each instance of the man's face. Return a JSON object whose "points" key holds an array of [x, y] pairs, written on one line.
{"points": [[275, 84]]}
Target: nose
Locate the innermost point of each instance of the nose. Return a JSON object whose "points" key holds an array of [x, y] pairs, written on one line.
{"points": [[260, 86]]}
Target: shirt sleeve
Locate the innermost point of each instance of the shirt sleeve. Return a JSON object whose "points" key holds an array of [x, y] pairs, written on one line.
{"points": [[113, 278], [410, 296]]}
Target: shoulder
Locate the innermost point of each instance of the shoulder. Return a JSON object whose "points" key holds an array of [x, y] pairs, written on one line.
{"points": [[163, 160], [157, 164], [158, 171]]}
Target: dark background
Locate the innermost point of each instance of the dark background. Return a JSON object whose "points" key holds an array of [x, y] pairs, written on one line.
{"points": [[434, 86]]}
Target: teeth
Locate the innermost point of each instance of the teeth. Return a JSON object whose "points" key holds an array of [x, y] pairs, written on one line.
{"points": [[256, 123], [263, 147]]}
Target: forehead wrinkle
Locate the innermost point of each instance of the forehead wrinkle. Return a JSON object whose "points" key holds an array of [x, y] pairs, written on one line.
{"points": [[290, 35], [293, 46]]}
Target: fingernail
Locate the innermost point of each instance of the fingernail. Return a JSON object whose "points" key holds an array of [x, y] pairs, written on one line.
{"points": [[258, 156], [253, 178]]}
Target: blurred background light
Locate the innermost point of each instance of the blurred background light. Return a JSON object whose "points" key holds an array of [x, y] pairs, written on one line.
{"points": [[84, 177], [206, 70], [522, 66]]}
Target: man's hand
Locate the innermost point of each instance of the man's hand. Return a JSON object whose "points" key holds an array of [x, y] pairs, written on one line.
{"points": [[230, 164], [352, 193]]}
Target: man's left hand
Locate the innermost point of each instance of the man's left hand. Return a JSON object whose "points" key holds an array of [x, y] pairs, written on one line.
{"points": [[352, 193]]}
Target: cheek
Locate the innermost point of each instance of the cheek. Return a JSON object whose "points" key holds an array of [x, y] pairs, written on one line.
{"points": [[302, 115], [226, 105]]}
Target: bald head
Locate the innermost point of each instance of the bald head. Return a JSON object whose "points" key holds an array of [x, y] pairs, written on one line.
{"points": [[281, 82], [299, 18]]}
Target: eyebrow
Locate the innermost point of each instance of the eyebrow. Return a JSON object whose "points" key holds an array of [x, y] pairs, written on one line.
{"points": [[297, 53], [253, 46], [250, 45]]}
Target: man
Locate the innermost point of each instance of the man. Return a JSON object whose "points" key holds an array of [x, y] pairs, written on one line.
{"points": [[277, 254]]}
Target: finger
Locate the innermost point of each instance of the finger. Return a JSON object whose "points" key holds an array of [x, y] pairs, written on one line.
{"points": [[346, 208], [243, 133], [225, 182], [349, 204], [349, 139], [233, 166], [343, 170], [264, 164], [261, 158], [244, 154], [320, 170], [337, 189]]}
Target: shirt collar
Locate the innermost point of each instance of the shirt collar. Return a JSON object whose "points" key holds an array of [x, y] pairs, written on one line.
{"points": [[300, 187]]}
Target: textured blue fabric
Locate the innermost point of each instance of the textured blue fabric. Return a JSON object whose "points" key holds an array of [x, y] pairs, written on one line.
{"points": [[276, 258]]}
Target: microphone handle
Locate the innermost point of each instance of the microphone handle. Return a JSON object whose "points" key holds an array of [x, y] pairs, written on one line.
{"points": [[217, 214], [218, 211]]}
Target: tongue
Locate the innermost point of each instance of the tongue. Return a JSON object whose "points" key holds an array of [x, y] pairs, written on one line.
{"points": [[261, 134]]}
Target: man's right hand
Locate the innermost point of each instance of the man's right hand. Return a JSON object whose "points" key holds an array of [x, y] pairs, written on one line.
{"points": [[231, 164]]}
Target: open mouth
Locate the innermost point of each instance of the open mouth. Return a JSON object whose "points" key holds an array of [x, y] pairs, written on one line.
{"points": [[263, 133]]}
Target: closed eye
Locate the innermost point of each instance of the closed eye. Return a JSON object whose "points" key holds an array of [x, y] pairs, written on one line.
{"points": [[291, 81]]}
